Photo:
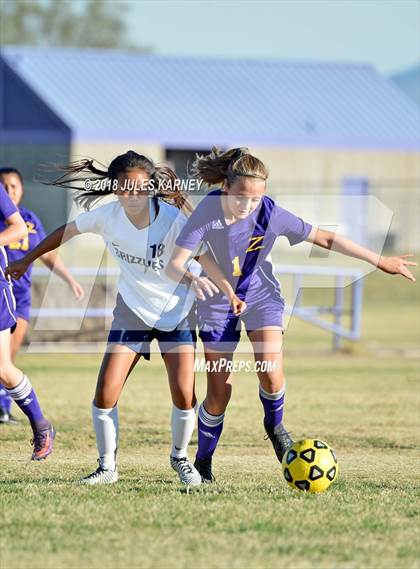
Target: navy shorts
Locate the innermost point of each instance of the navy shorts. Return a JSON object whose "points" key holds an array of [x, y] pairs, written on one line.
{"points": [[7, 308], [130, 330]]}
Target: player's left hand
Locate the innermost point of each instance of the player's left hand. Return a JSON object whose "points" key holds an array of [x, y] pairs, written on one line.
{"points": [[17, 269], [77, 290], [238, 305], [202, 286], [397, 266]]}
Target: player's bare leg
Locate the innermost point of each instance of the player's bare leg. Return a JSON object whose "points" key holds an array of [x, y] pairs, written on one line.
{"points": [[115, 370], [21, 391], [179, 364], [10, 375], [219, 383], [267, 344], [6, 401], [268, 354], [18, 336]]}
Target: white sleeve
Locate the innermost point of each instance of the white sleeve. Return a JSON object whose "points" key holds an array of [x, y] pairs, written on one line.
{"points": [[92, 221]]}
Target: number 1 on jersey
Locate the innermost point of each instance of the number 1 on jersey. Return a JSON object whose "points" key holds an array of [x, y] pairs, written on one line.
{"points": [[236, 268]]}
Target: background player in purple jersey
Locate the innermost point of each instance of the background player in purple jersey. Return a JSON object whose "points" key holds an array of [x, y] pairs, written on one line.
{"points": [[14, 380], [239, 226], [12, 180]]}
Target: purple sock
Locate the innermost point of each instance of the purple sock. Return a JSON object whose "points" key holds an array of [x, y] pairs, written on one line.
{"points": [[210, 428], [5, 399], [273, 406], [25, 397]]}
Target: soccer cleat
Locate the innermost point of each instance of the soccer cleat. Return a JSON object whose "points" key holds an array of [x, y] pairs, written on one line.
{"points": [[203, 465], [101, 476], [280, 438], [43, 443], [186, 471]]}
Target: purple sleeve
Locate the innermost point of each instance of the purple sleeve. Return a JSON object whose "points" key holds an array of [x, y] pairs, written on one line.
{"points": [[39, 227], [41, 232], [7, 207], [192, 234], [285, 223]]}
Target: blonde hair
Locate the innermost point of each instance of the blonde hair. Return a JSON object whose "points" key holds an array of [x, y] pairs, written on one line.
{"points": [[219, 166]]}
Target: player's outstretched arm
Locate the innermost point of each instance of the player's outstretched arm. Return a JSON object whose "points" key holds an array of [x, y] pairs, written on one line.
{"points": [[53, 261], [394, 265], [51, 242], [16, 229]]}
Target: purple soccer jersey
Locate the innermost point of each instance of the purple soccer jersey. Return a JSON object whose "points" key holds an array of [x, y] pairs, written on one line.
{"points": [[7, 301], [7, 208], [241, 250], [16, 251]]}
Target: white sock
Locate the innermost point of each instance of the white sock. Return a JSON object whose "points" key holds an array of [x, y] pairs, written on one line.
{"points": [[182, 425], [105, 423]]}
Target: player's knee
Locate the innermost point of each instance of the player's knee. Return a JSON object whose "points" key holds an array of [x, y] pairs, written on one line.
{"points": [[7, 374], [273, 382], [104, 401], [184, 400], [220, 393]]}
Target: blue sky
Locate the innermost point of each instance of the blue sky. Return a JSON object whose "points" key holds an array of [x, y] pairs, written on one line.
{"points": [[382, 32]]}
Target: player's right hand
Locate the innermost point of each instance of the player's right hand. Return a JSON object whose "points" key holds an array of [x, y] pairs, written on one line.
{"points": [[17, 269]]}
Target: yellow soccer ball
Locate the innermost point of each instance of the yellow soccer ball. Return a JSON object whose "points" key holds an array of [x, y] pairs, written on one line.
{"points": [[310, 465]]}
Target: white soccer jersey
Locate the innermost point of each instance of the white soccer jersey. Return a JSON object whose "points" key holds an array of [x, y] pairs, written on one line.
{"points": [[142, 255]]}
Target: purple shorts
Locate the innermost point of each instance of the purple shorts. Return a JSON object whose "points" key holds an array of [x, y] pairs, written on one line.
{"points": [[7, 308], [23, 303], [220, 330]]}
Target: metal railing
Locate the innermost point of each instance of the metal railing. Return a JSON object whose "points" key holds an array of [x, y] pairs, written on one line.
{"points": [[310, 313]]}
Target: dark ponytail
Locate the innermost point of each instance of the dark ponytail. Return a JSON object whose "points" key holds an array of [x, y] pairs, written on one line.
{"points": [[91, 184], [165, 179], [77, 176]]}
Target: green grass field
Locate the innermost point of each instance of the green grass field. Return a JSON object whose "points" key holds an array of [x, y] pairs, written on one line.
{"points": [[364, 402]]}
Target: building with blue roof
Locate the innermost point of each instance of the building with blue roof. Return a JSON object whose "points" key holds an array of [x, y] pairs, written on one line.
{"points": [[314, 124], [195, 102]]}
